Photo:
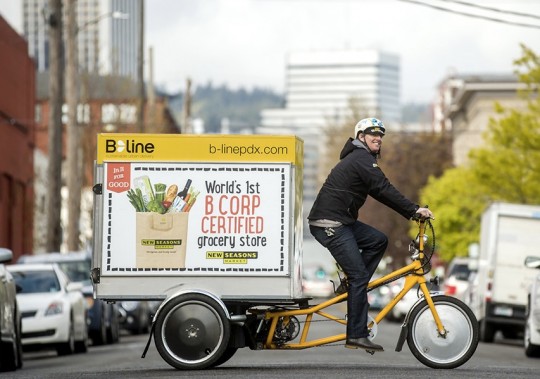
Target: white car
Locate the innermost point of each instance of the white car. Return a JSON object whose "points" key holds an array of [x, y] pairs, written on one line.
{"points": [[53, 309], [317, 282], [457, 279], [400, 310], [532, 321]]}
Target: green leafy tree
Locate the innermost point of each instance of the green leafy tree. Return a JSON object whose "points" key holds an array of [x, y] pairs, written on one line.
{"points": [[506, 168], [458, 199]]}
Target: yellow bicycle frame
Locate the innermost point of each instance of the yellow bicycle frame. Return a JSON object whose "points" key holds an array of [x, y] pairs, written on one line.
{"points": [[414, 274]]}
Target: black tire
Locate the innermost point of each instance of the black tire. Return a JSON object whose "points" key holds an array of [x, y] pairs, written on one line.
{"points": [[113, 333], [8, 356], [68, 347], [11, 351], [531, 350], [82, 345], [228, 354], [18, 338], [462, 333], [487, 331], [99, 337], [192, 332]]}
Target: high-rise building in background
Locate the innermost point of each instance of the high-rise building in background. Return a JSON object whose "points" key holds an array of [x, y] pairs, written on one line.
{"points": [[107, 37], [320, 87]]}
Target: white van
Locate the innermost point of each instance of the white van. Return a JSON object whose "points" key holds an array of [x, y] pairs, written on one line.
{"points": [[532, 321]]}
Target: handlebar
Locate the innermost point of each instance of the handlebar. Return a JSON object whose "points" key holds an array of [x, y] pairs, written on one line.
{"points": [[419, 217]]}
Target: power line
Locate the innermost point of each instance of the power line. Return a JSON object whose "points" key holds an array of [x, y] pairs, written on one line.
{"points": [[472, 15], [493, 9]]}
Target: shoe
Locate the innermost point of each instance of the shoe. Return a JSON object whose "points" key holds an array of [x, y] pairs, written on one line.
{"points": [[362, 343]]}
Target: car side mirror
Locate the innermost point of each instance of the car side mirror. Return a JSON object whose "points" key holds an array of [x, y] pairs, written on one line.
{"points": [[532, 262]]}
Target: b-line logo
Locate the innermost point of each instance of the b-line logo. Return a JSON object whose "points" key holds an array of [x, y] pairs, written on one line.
{"points": [[129, 146]]}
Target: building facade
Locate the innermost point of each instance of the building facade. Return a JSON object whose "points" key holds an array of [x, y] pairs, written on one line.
{"points": [[108, 104], [17, 97], [466, 103], [107, 35]]}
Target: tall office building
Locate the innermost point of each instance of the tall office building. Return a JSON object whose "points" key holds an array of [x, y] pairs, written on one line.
{"points": [[107, 37], [320, 86]]}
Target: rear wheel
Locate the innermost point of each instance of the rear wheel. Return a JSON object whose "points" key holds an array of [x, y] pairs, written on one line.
{"points": [[487, 331], [531, 350], [192, 332], [228, 354], [99, 337], [436, 351], [113, 333]]}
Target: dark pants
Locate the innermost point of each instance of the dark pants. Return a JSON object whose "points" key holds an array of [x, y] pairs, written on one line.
{"points": [[358, 249]]}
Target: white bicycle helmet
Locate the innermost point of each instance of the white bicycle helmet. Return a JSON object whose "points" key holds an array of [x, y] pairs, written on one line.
{"points": [[369, 126]]}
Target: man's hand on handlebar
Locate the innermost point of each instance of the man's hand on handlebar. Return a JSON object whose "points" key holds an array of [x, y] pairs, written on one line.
{"points": [[423, 213]]}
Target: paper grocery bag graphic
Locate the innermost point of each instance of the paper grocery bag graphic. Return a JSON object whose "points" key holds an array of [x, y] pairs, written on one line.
{"points": [[161, 239]]}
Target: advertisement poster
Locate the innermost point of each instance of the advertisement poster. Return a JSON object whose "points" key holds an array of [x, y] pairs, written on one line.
{"points": [[196, 218]]}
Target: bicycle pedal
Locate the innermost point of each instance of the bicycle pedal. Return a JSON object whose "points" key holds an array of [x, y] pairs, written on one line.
{"points": [[371, 352]]}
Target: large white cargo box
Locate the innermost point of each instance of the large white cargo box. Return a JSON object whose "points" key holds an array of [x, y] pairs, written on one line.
{"points": [[216, 213]]}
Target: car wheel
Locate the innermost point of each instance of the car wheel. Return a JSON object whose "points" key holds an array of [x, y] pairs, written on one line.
{"points": [[487, 331], [99, 337], [531, 350], [113, 333], [67, 347], [18, 338], [8, 356], [82, 345]]}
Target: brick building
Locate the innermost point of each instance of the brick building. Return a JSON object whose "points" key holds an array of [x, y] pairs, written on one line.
{"points": [[107, 104], [17, 98]]}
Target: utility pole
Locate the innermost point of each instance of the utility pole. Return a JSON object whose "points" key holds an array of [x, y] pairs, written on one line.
{"points": [[140, 70], [56, 97], [186, 112], [73, 154]]}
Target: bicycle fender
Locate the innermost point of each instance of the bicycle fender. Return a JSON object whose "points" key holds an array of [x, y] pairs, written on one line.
{"points": [[404, 327], [402, 337]]}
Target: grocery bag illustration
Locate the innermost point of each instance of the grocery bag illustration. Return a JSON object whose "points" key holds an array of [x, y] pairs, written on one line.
{"points": [[161, 222], [161, 239]]}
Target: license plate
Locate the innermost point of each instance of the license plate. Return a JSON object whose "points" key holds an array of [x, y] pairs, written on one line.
{"points": [[503, 311]]}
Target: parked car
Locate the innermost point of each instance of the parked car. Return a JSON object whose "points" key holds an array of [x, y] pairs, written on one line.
{"points": [[400, 310], [532, 321], [11, 355], [103, 317], [316, 282], [53, 308], [456, 281], [135, 316], [378, 297]]}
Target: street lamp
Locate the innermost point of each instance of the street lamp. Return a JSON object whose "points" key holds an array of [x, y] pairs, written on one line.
{"points": [[73, 153]]}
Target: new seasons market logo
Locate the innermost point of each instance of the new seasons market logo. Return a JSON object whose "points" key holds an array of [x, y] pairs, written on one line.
{"points": [[128, 146]]}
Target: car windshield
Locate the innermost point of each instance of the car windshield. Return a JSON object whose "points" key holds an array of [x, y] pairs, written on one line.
{"points": [[36, 281], [77, 271], [460, 271]]}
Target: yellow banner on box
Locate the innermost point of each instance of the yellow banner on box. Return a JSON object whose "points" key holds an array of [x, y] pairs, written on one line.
{"points": [[126, 147]]}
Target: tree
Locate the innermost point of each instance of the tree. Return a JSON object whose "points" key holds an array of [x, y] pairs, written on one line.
{"points": [[506, 168], [458, 199]]}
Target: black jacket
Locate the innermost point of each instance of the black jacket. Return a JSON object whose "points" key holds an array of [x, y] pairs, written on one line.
{"points": [[356, 176]]}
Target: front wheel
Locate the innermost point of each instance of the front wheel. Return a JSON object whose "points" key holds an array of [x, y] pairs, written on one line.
{"points": [[192, 332], [434, 350]]}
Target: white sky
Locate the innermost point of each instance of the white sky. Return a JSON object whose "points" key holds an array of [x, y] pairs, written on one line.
{"points": [[243, 43]]}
